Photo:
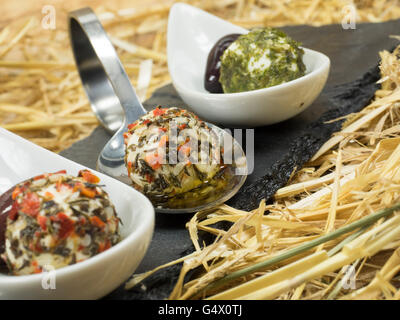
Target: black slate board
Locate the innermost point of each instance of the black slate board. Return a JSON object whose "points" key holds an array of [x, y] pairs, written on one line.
{"points": [[354, 58]]}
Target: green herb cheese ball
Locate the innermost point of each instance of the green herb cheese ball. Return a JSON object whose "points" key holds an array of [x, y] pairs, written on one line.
{"points": [[260, 59]]}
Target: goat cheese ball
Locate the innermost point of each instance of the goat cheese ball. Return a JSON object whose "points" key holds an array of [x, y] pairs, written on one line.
{"points": [[57, 220], [260, 59], [170, 151]]}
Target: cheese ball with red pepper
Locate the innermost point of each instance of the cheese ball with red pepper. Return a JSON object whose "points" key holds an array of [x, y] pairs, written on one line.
{"points": [[170, 151], [57, 220]]}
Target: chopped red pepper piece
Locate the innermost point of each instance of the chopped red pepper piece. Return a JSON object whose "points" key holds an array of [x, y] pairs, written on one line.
{"points": [[16, 192], [37, 269], [95, 220], [163, 140], [48, 195], [77, 186], [159, 111], [30, 204], [39, 177], [60, 172], [88, 176], [66, 225], [103, 246], [42, 222], [126, 136], [90, 193], [154, 160], [132, 125], [13, 213]]}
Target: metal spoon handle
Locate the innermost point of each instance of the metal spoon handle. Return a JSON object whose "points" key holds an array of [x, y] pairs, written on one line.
{"points": [[103, 77]]}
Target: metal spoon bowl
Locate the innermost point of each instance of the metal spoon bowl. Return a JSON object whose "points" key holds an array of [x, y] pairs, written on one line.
{"points": [[115, 103]]}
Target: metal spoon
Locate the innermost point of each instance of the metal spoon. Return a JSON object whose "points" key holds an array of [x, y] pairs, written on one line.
{"points": [[112, 97]]}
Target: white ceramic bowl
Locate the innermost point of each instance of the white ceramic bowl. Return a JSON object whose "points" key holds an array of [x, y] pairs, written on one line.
{"points": [[99, 275], [191, 35]]}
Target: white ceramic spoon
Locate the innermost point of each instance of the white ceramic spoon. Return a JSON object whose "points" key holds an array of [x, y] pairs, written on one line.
{"points": [[191, 35], [99, 275]]}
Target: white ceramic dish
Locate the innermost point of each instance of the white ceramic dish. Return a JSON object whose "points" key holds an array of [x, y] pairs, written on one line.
{"points": [[191, 35], [99, 275]]}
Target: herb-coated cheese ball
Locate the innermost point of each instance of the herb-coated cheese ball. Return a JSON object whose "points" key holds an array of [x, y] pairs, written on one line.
{"points": [[260, 59], [150, 143], [57, 220]]}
